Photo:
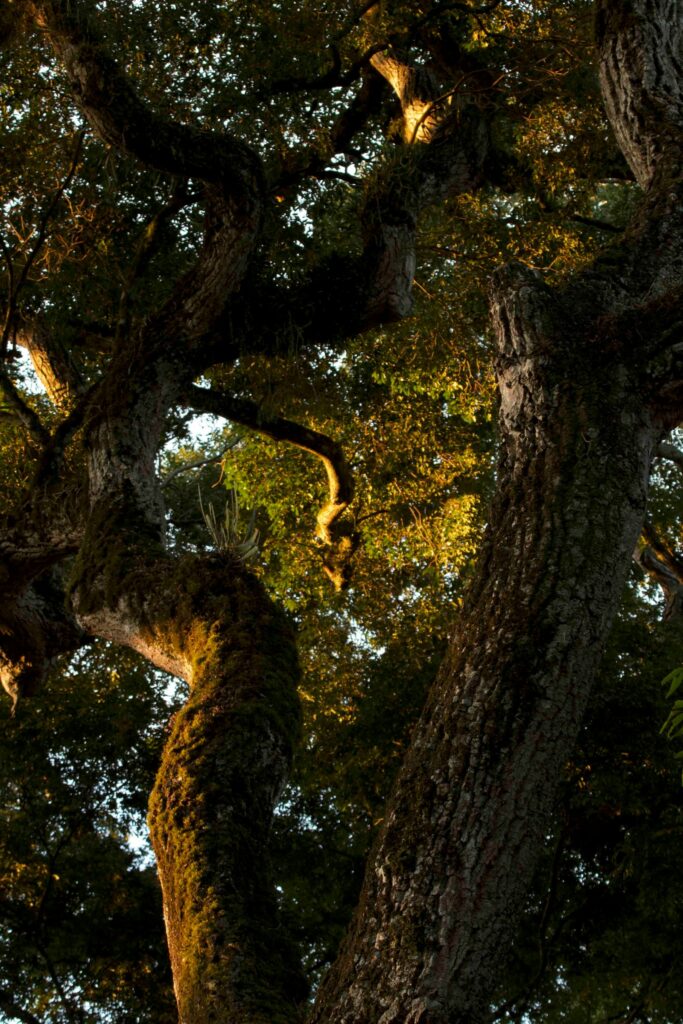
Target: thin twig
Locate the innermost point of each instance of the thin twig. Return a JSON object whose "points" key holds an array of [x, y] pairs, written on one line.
{"points": [[198, 463], [7, 326], [145, 249]]}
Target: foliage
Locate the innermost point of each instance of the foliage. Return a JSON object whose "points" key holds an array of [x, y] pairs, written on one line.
{"points": [[602, 931], [412, 406], [82, 932], [673, 726], [228, 534]]}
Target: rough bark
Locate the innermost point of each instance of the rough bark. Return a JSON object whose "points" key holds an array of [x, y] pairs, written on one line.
{"points": [[585, 393], [224, 764], [642, 81], [458, 848]]}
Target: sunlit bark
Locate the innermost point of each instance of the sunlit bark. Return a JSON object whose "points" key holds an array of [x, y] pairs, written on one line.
{"points": [[586, 393]]}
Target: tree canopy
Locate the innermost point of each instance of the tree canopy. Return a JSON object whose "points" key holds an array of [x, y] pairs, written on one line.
{"points": [[328, 327]]}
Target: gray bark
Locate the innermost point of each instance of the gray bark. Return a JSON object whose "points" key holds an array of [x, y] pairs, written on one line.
{"points": [[458, 848], [585, 394]]}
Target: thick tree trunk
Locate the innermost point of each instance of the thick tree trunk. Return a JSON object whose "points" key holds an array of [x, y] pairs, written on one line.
{"points": [[209, 621], [456, 855], [225, 761], [224, 764], [588, 379]]}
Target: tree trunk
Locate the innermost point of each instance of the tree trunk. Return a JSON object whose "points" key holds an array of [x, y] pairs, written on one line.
{"points": [[456, 855], [588, 377], [586, 391], [224, 764], [208, 620], [225, 761]]}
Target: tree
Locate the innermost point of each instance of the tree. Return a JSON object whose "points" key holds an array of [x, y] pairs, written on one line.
{"points": [[589, 377]]}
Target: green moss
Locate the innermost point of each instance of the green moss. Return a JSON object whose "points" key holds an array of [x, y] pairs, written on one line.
{"points": [[221, 772], [224, 764]]}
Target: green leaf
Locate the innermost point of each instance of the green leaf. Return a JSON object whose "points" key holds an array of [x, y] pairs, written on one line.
{"points": [[674, 679]]}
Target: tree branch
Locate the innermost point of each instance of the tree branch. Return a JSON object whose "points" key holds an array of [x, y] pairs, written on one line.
{"points": [[333, 534], [146, 247], [230, 170], [198, 463], [53, 363], [294, 83], [15, 288], [24, 412], [669, 451], [35, 628], [665, 567], [299, 162], [123, 120], [642, 84], [593, 222]]}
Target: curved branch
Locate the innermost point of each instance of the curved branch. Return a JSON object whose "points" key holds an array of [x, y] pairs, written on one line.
{"points": [[446, 145], [295, 83], [333, 534], [230, 170], [123, 120], [665, 567], [23, 412]]}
